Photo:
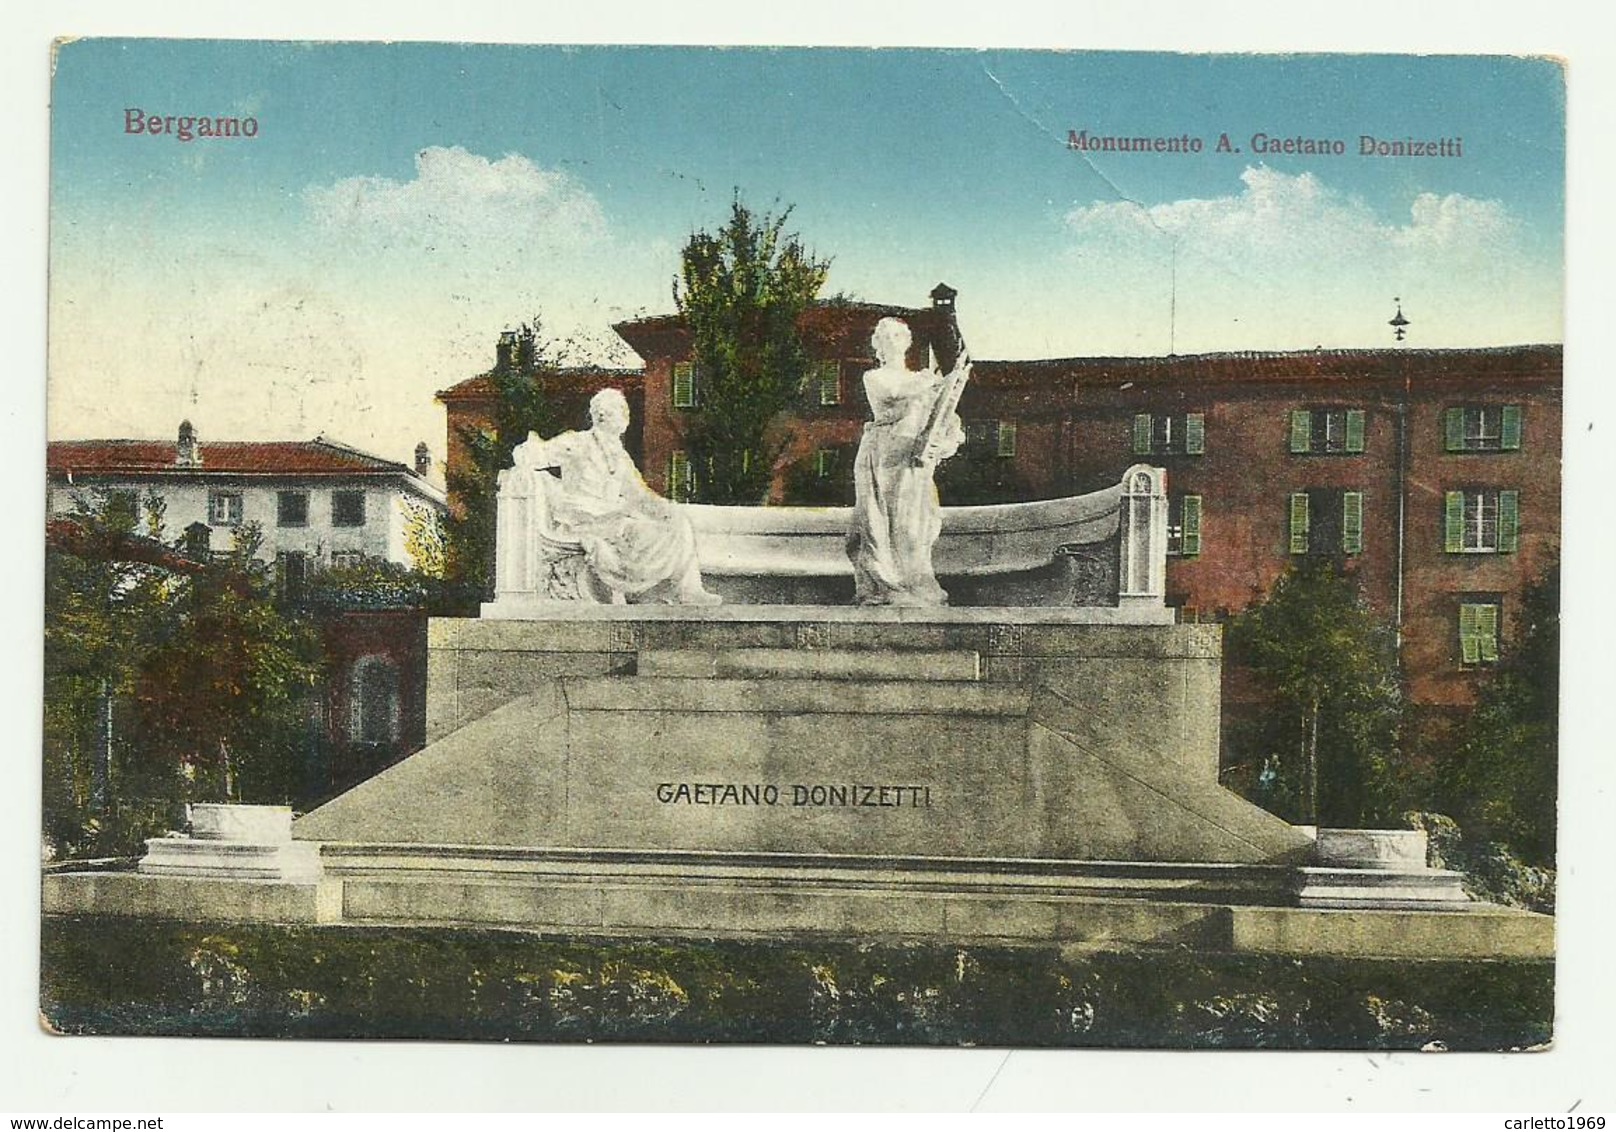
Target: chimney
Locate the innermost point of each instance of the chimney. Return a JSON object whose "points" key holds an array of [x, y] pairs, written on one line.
{"points": [[423, 460], [188, 453], [505, 352], [947, 345]]}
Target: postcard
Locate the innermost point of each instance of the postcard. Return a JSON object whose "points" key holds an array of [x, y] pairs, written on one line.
{"points": [[803, 545]]}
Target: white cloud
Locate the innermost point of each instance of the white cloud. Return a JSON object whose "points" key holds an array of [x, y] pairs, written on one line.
{"points": [[1292, 261], [1282, 219], [461, 205]]}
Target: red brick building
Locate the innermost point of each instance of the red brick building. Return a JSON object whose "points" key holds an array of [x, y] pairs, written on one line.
{"points": [[1434, 475]]}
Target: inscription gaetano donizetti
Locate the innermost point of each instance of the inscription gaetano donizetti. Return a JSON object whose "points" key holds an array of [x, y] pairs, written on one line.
{"points": [[793, 794]]}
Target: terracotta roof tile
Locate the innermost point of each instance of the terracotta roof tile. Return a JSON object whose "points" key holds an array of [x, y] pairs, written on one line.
{"points": [[481, 387], [318, 457]]}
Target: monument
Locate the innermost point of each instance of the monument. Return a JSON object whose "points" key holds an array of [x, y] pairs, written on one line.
{"points": [[896, 720]]}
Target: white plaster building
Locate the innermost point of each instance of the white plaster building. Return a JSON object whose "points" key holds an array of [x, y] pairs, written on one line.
{"points": [[317, 502]]}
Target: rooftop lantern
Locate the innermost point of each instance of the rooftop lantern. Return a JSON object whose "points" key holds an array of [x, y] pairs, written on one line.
{"points": [[1398, 322]]}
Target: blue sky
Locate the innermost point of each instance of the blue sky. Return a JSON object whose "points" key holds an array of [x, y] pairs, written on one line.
{"points": [[401, 204]]}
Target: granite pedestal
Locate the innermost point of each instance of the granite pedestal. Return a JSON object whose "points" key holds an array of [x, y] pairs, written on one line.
{"points": [[1028, 775]]}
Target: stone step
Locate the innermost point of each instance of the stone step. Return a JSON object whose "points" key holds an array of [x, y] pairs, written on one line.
{"points": [[813, 664], [807, 697]]}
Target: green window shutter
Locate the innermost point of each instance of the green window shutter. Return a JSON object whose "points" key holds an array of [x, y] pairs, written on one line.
{"points": [[1509, 521], [1141, 434], [678, 476], [1510, 428], [1301, 430], [1453, 429], [1487, 632], [824, 462], [1190, 541], [1352, 522], [830, 383], [1469, 638], [684, 385], [1195, 433], [1007, 438], [1299, 523], [1453, 525], [1355, 430]]}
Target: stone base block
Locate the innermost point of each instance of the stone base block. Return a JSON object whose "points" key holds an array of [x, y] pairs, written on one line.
{"points": [[1471, 931], [1070, 903], [192, 898], [826, 664], [291, 861], [1436, 889]]}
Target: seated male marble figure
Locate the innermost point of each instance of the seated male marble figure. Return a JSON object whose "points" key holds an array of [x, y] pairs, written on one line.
{"points": [[637, 546]]}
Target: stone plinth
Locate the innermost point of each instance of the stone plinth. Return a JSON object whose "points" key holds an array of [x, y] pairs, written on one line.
{"points": [[965, 901], [1470, 931], [1376, 868], [1395, 850], [1020, 734], [197, 898], [235, 842]]}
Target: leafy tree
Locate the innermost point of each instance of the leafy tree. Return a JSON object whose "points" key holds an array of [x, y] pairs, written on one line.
{"points": [[425, 539], [741, 291], [227, 694], [1328, 667], [167, 679], [520, 407], [104, 611], [1498, 774]]}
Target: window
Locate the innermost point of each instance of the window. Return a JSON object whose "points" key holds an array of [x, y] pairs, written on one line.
{"points": [[681, 485], [1155, 435], [1478, 632], [347, 559], [347, 508], [373, 701], [1326, 522], [827, 377], [224, 508], [292, 509], [684, 385], [1327, 430], [825, 463], [1482, 428], [1481, 521], [1184, 525], [1005, 441]]}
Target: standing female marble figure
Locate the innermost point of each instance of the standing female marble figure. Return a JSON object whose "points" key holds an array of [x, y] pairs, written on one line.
{"points": [[896, 512]]}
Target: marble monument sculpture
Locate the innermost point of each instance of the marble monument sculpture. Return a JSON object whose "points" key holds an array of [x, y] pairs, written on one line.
{"points": [[594, 532], [897, 515], [840, 747]]}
